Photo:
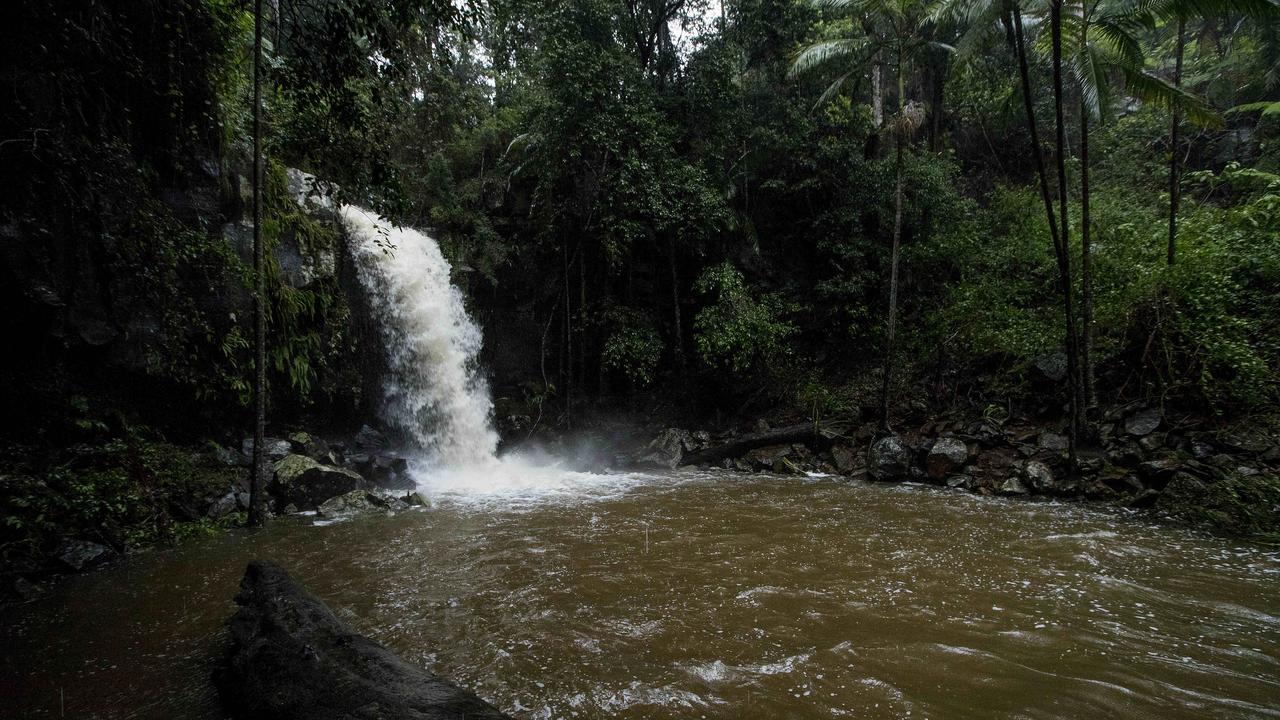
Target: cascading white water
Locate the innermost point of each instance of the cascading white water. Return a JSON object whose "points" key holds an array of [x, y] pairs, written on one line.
{"points": [[433, 392]]}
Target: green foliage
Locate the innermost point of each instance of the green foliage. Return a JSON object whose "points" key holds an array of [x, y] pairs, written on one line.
{"points": [[739, 331], [1223, 336], [126, 491], [1203, 330], [308, 326], [633, 347]]}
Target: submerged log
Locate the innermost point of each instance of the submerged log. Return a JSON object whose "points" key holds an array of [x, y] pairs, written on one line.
{"points": [[292, 659], [740, 445]]}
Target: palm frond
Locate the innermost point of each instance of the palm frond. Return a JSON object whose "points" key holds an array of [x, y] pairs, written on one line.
{"points": [[832, 90], [1268, 107], [1120, 37], [1158, 91], [820, 53], [1169, 9]]}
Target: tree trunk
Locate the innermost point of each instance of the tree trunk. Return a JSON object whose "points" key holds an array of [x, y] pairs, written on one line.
{"points": [[1037, 150], [675, 310], [582, 310], [1064, 256], [567, 342], [877, 96], [891, 325], [258, 470], [1175, 173], [1086, 274], [738, 446]]}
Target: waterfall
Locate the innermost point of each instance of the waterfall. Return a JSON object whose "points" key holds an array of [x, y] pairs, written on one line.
{"points": [[433, 392]]}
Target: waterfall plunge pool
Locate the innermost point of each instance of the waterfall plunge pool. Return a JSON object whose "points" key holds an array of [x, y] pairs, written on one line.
{"points": [[717, 595]]}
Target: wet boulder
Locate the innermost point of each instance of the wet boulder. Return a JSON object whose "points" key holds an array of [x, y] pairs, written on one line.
{"points": [[765, 458], [1157, 472], [1183, 493], [844, 458], [227, 457], [275, 448], [1143, 423], [83, 555], [291, 658], [1143, 499], [946, 455], [226, 504], [667, 450], [1052, 442], [369, 438], [356, 502], [889, 458], [384, 470], [306, 483], [696, 440], [304, 443], [1038, 476], [1013, 486]]}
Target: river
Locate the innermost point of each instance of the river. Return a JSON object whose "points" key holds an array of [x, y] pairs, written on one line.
{"points": [[706, 595]]}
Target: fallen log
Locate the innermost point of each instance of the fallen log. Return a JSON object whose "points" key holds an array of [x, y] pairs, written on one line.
{"points": [[808, 432], [293, 659]]}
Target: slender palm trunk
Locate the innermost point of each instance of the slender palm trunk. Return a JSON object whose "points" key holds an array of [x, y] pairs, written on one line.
{"points": [[258, 470], [1064, 256], [1086, 273], [899, 132], [1028, 106], [1175, 173]]}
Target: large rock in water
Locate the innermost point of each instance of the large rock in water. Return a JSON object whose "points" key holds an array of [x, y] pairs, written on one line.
{"points": [[306, 483], [945, 456], [667, 450], [292, 659], [889, 459]]}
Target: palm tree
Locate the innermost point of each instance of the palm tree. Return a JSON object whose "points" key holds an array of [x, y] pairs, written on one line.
{"points": [[1112, 51], [896, 29], [982, 18], [1180, 11]]}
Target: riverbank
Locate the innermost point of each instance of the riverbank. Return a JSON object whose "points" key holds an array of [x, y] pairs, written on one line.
{"points": [[1225, 479], [92, 502], [77, 508]]}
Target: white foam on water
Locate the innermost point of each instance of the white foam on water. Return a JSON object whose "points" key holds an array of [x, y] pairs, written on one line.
{"points": [[514, 479]]}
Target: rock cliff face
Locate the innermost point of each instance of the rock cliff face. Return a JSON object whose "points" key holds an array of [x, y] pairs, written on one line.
{"points": [[155, 304], [292, 659]]}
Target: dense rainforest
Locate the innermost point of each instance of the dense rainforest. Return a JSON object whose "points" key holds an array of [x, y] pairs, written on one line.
{"points": [[869, 215]]}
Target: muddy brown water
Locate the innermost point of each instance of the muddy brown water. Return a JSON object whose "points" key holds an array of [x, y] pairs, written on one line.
{"points": [[707, 596]]}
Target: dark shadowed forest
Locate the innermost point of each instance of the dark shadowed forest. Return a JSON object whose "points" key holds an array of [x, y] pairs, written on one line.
{"points": [[261, 256]]}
